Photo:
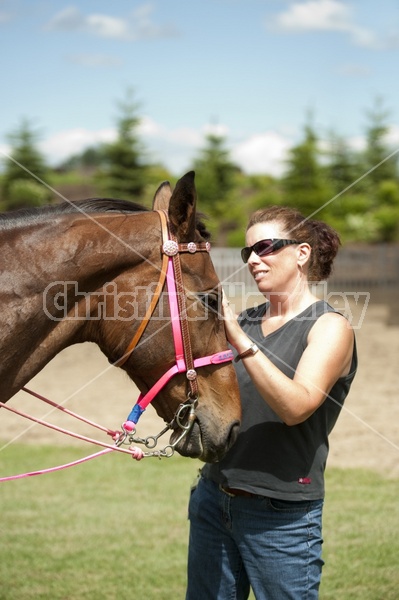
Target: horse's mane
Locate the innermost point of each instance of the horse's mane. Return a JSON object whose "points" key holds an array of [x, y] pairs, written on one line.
{"points": [[24, 216]]}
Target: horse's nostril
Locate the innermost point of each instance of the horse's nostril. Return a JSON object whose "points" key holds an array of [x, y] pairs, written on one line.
{"points": [[233, 433]]}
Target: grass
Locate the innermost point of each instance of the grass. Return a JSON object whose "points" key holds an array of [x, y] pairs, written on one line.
{"points": [[113, 528], [361, 526]]}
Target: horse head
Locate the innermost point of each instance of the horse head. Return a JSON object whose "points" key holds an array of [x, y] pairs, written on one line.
{"points": [[99, 270], [216, 397]]}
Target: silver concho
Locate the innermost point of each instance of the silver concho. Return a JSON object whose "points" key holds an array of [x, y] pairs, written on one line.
{"points": [[170, 248], [191, 374], [192, 247], [208, 246]]}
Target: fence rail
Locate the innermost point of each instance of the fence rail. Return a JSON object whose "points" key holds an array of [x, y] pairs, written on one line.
{"points": [[356, 267]]}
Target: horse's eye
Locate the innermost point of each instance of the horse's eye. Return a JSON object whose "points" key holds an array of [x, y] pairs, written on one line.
{"points": [[210, 301]]}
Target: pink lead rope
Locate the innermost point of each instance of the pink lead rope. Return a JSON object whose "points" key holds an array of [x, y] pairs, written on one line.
{"points": [[134, 452]]}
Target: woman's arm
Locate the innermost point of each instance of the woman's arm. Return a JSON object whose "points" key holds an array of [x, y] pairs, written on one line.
{"points": [[326, 358]]}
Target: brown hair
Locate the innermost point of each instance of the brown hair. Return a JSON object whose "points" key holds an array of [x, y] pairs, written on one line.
{"points": [[322, 238]]}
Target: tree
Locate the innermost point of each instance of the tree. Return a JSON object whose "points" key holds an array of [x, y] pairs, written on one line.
{"points": [[215, 183], [90, 159], [304, 183], [378, 167], [343, 165], [373, 213], [25, 171], [124, 172]]}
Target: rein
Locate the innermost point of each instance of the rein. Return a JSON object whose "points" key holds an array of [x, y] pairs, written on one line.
{"points": [[170, 272]]}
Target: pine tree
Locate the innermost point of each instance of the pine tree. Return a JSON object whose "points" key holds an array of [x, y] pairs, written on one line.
{"points": [[215, 183], [343, 168], [304, 184], [26, 172], [124, 172], [377, 164]]}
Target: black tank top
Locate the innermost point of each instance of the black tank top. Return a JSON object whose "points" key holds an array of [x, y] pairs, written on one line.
{"points": [[269, 457]]}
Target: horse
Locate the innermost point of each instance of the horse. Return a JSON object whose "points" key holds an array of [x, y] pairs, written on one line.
{"points": [[94, 271]]}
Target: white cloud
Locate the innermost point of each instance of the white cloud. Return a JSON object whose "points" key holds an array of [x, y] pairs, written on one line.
{"points": [[354, 70], [69, 19], [392, 137], [96, 60], [324, 15], [107, 27], [357, 143], [64, 144], [183, 135], [262, 153], [174, 148], [137, 25], [315, 15], [145, 28], [4, 17], [4, 153]]}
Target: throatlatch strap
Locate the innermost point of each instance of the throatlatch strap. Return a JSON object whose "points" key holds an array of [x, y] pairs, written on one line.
{"points": [[154, 300]]}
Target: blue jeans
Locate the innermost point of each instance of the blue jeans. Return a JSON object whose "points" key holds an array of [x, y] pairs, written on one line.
{"points": [[273, 546]]}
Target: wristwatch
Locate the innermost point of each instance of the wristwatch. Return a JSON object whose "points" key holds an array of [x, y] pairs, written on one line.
{"points": [[253, 349]]}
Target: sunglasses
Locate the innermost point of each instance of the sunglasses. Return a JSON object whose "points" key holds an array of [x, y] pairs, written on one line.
{"points": [[264, 247]]}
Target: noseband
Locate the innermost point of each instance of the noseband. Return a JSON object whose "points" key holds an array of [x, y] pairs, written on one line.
{"points": [[185, 363]]}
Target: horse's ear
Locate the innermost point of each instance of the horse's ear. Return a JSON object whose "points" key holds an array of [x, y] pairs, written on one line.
{"points": [[182, 208], [162, 197]]}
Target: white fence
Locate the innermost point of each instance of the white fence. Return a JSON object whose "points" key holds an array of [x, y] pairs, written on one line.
{"points": [[357, 267]]}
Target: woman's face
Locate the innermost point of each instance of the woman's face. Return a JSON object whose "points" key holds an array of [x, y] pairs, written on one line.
{"points": [[276, 272]]}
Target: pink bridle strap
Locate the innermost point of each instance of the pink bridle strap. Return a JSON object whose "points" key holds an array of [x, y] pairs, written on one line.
{"points": [[175, 319], [144, 400]]}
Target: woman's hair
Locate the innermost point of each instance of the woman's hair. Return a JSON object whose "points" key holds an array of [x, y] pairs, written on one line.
{"points": [[322, 238]]}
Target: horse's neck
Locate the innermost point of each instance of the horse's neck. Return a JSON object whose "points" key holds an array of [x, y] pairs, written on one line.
{"points": [[86, 252], [70, 246]]}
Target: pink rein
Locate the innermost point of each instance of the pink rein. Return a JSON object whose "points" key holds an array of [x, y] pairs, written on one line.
{"points": [[134, 452]]}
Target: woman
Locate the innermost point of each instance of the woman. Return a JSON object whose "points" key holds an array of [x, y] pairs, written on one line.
{"points": [[255, 517]]}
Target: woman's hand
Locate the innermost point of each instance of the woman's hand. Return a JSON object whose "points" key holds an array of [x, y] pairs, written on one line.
{"points": [[235, 335]]}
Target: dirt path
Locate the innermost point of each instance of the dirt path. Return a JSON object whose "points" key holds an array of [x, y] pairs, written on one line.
{"points": [[367, 433]]}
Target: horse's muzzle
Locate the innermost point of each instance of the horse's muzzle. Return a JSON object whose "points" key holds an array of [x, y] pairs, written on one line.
{"points": [[198, 443]]}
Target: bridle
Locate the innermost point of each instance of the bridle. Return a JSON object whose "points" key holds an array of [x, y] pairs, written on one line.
{"points": [[171, 272]]}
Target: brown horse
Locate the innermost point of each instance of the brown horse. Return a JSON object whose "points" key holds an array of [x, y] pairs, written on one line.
{"points": [[87, 272]]}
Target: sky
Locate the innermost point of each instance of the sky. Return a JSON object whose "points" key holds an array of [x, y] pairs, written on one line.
{"points": [[250, 70]]}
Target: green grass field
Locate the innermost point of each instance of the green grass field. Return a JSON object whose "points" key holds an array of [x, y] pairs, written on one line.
{"points": [[116, 529]]}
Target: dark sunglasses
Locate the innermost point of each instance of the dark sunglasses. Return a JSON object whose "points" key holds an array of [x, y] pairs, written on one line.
{"points": [[264, 247]]}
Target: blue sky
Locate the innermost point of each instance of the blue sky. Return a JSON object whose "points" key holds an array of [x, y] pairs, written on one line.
{"points": [[249, 69]]}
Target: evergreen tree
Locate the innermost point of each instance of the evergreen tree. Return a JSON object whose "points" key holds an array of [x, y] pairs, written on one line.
{"points": [[215, 182], [304, 183], [24, 171], [378, 167], [343, 165], [91, 158], [124, 172], [380, 183]]}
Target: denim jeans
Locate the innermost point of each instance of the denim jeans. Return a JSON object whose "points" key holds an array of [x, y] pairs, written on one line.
{"points": [[236, 542]]}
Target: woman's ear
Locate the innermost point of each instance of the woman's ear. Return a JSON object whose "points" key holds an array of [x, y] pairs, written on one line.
{"points": [[303, 252]]}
